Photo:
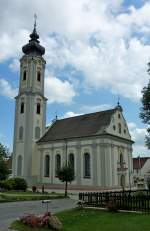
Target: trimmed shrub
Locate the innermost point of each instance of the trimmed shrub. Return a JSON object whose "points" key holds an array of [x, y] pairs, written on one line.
{"points": [[20, 184], [14, 184]]}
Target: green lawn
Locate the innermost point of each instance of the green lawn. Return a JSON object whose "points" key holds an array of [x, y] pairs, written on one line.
{"points": [[96, 220], [26, 196]]}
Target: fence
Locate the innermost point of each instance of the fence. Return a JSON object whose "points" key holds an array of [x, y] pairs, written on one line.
{"points": [[128, 200]]}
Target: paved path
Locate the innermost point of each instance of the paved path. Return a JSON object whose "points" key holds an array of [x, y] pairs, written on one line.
{"points": [[12, 210]]}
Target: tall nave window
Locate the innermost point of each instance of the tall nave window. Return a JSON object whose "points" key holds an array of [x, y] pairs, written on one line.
{"points": [[57, 164], [87, 167], [46, 165]]}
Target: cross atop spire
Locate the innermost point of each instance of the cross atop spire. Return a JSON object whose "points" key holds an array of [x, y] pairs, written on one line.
{"points": [[118, 107], [35, 18], [33, 45], [118, 102]]}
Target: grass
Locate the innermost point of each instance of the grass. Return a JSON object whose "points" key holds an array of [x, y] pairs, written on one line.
{"points": [[87, 220], [27, 196]]}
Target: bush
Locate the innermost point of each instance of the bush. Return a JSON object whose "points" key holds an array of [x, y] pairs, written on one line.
{"points": [[14, 184], [47, 220], [112, 206], [8, 184], [20, 184]]}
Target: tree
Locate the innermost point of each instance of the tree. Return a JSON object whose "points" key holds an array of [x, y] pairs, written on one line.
{"points": [[4, 152], [66, 174], [4, 171], [145, 109]]}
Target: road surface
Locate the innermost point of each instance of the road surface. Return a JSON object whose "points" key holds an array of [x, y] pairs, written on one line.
{"points": [[12, 210]]}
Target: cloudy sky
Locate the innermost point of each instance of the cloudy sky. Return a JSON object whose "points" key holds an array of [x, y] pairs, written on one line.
{"points": [[95, 51]]}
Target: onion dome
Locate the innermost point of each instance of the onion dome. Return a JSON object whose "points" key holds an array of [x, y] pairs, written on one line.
{"points": [[33, 47]]}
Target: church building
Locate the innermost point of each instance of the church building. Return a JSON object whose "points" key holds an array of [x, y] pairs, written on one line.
{"points": [[98, 145]]}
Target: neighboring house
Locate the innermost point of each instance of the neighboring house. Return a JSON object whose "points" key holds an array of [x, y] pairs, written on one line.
{"points": [[97, 145], [141, 170], [8, 162]]}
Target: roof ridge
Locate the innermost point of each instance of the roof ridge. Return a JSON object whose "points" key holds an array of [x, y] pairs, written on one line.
{"points": [[113, 109]]}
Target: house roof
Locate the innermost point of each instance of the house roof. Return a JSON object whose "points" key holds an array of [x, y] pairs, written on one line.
{"points": [[8, 162], [139, 162], [78, 126]]}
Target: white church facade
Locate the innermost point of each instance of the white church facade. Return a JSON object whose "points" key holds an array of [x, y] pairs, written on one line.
{"points": [[97, 145]]}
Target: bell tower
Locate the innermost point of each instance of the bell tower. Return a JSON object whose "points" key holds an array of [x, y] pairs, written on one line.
{"points": [[30, 112]]}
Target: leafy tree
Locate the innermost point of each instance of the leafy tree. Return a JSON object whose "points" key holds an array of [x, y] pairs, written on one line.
{"points": [[145, 109], [66, 174], [4, 172], [4, 152]]}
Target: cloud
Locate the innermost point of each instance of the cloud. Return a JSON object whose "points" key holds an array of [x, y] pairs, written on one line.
{"points": [[70, 114], [14, 65], [58, 91], [94, 108], [85, 109], [103, 40], [11, 43], [138, 136], [7, 90]]}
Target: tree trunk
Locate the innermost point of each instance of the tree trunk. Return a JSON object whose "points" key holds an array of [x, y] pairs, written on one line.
{"points": [[66, 186]]}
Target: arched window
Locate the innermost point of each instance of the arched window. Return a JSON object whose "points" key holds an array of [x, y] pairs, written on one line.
{"points": [[38, 76], [87, 170], [24, 76], [21, 133], [119, 128], [37, 133], [122, 181], [22, 108], [121, 160], [38, 108], [46, 166], [71, 160], [19, 166], [57, 163]]}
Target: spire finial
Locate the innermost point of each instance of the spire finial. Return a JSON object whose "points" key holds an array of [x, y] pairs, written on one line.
{"points": [[118, 102], [35, 18], [56, 116], [118, 107]]}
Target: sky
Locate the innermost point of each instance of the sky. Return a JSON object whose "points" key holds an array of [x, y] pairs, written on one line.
{"points": [[96, 50]]}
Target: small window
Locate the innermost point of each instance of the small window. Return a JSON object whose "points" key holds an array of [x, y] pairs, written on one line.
{"points": [[21, 133], [39, 76], [114, 127], [124, 131], [119, 128], [24, 76], [22, 108], [19, 166], [37, 133], [38, 108], [119, 116]]}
